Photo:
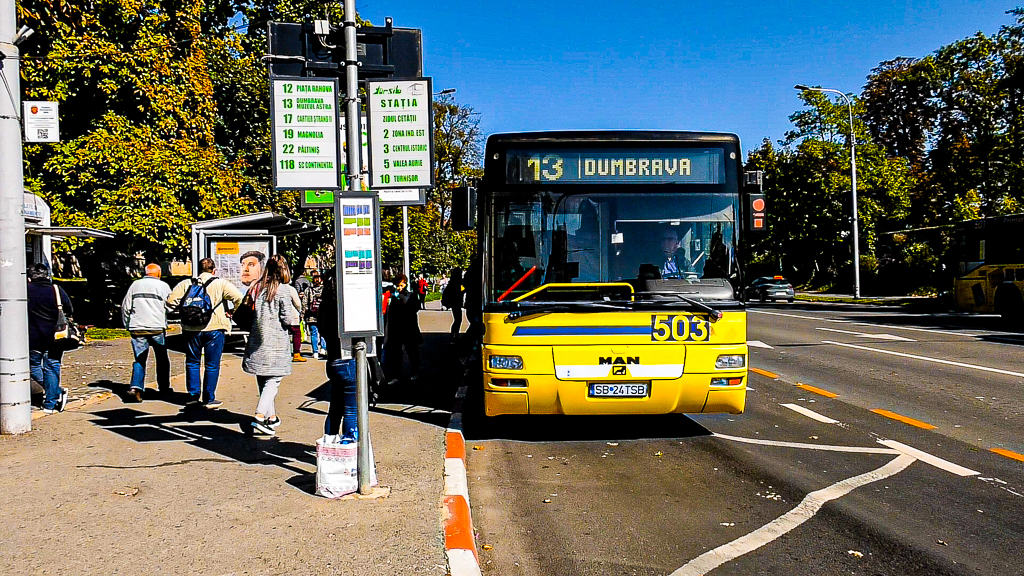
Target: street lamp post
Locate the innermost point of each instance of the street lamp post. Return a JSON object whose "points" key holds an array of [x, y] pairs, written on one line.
{"points": [[853, 178]]}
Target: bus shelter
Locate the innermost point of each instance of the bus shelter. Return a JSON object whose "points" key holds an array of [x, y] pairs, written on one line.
{"points": [[226, 239]]}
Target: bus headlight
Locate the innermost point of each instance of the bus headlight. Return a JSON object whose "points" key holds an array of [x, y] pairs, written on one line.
{"points": [[505, 362], [727, 361]]}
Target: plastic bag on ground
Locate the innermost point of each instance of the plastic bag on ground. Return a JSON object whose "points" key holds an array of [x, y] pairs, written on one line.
{"points": [[336, 467]]}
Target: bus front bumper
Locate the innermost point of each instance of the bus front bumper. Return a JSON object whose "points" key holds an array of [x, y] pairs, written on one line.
{"points": [[545, 394]]}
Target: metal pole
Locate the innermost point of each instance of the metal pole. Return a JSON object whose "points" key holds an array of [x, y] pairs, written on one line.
{"points": [[405, 244], [853, 178], [353, 135], [15, 386]]}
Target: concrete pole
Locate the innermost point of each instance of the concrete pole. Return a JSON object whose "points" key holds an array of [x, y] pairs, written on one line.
{"points": [[405, 244], [353, 135], [15, 386]]}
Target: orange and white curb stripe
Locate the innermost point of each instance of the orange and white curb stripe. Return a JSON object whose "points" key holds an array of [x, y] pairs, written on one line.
{"points": [[459, 541]]}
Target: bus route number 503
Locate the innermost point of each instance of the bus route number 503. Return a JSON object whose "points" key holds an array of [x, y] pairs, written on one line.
{"points": [[678, 328], [550, 167]]}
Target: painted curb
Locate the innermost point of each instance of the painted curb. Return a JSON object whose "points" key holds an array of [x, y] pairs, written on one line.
{"points": [[459, 540]]}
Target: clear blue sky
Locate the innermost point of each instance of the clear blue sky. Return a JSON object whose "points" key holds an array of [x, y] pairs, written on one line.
{"points": [[722, 65]]}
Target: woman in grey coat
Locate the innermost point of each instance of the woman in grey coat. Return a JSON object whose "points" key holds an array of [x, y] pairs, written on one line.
{"points": [[268, 354]]}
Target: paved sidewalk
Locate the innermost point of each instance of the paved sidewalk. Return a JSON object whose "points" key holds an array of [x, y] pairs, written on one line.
{"points": [[115, 488]]}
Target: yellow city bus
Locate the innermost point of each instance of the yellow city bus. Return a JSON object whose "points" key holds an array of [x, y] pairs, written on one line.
{"points": [[990, 266], [608, 273]]}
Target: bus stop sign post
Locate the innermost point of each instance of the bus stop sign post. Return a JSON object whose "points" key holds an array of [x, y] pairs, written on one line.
{"points": [[353, 164]]}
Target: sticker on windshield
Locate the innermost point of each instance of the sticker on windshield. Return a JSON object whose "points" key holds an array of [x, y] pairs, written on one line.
{"points": [[678, 328]]}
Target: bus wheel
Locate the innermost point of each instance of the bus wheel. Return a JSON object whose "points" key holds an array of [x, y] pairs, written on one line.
{"points": [[1010, 305]]}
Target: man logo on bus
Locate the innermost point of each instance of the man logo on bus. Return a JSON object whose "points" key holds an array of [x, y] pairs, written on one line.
{"points": [[618, 360]]}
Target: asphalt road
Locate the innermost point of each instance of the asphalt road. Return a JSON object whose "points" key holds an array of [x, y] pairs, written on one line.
{"points": [[866, 448]]}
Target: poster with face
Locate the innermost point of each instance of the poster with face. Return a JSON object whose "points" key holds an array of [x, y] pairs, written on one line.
{"points": [[227, 255]]}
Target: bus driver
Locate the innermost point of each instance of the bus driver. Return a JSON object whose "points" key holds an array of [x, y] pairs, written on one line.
{"points": [[674, 264]]}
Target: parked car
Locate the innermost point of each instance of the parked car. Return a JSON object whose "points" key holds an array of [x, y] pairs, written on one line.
{"points": [[770, 288]]}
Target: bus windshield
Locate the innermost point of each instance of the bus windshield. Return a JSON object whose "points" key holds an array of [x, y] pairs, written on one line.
{"points": [[612, 235]]}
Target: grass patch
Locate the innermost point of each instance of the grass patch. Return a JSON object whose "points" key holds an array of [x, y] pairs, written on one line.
{"points": [[841, 299], [94, 333]]}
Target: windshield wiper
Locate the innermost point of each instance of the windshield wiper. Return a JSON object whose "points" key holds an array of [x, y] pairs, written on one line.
{"points": [[712, 312], [528, 310]]}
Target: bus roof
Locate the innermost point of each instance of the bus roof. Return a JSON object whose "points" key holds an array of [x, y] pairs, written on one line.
{"points": [[622, 136]]}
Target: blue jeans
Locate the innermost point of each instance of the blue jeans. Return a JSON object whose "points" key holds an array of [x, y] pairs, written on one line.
{"points": [[140, 346], [342, 413], [314, 338], [44, 367], [210, 343]]}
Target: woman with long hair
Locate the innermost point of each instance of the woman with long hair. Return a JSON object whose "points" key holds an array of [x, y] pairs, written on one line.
{"points": [[268, 353]]}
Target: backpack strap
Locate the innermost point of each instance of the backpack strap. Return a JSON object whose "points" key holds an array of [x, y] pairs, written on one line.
{"points": [[222, 302]]}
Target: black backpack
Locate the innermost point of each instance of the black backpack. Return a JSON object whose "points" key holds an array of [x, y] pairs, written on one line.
{"points": [[196, 307]]}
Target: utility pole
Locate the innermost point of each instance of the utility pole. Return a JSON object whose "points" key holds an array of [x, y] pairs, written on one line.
{"points": [[15, 386], [405, 245]]}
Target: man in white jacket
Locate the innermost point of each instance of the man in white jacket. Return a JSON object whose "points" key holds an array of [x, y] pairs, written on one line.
{"points": [[144, 312]]}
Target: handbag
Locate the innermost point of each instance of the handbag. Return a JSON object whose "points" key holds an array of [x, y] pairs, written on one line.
{"points": [[66, 333], [245, 312]]}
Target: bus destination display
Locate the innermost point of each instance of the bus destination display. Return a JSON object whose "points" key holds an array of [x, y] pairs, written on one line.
{"points": [[610, 166]]}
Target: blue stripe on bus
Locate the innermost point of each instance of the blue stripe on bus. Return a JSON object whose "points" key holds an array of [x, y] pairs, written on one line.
{"points": [[581, 330]]}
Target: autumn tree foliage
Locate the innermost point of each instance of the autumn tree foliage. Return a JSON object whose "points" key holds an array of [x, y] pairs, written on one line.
{"points": [[139, 152]]}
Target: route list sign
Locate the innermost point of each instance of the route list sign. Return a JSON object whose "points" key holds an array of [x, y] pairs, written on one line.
{"points": [[401, 135], [305, 133]]}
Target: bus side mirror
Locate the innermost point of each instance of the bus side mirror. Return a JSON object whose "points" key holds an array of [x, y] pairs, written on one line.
{"points": [[464, 208]]}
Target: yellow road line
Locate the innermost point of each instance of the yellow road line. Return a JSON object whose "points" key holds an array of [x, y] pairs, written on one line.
{"points": [[764, 372], [1008, 453], [816, 390], [904, 419]]}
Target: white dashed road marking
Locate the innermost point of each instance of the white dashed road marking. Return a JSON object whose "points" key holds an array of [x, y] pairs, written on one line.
{"points": [[810, 413]]}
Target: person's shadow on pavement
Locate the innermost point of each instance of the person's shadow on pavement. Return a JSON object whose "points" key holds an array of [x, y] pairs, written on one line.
{"points": [[228, 434]]}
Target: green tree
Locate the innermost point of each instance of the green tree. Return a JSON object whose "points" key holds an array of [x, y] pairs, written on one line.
{"points": [[808, 187], [434, 247]]}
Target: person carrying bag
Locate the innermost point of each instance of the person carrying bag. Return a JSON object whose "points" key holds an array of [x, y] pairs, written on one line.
{"points": [[67, 334]]}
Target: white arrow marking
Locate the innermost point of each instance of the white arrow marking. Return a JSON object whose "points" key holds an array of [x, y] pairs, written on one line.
{"points": [[926, 457], [807, 508]]}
